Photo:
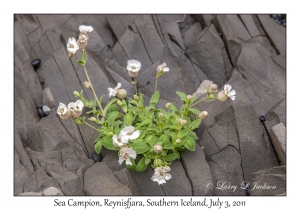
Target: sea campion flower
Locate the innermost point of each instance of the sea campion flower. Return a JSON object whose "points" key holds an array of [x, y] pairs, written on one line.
{"points": [[72, 46], [129, 133], [203, 115], [114, 91], [157, 148], [119, 140], [75, 109], [230, 93], [133, 67], [63, 111], [161, 175], [161, 69], [125, 154], [227, 92], [84, 29], [83, 37]]}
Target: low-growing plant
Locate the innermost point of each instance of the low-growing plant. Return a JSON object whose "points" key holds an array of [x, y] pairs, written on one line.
{"points": [[142, 134]]}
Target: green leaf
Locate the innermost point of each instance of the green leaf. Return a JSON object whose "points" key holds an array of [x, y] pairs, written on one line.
{"points": [[155, 98], [98, 147], [141, 166], [140, 147], [128, 119], [174, 108], [112, 116], [81, 62], [108, 143], [165, 139], [124, 106], [140, 100], [195, 111], [190, 143], [113, 100], [168, 146], [171, 157], [182, 133], [178, 154], [195, 124], [131, 167], [84, 56], [145, 122], [182, 96], [147, 161]]}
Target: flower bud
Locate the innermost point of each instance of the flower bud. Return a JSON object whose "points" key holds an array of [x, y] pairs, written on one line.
{"points": [[189, 97], [121, 93], [93, 119], [87, 84], [182, 122], [168, 105], [135, 97], [119, 102], [76, 94], [213, 87], [178, 141], [222, 96], [161, 115], [203, 115], [157, 148]]}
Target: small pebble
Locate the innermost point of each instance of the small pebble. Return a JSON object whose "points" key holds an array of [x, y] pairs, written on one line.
{"points": [[262, 118], [40, 112], [46, 110], [36, 63], [96, 157]]}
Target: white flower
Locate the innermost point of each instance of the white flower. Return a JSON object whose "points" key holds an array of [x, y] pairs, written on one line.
{"points": [[161, 175], [163, 67], [72, 46], [114, 91], [230, 93], [63, 111], [133, 67], [129, 133], [126, 154], [83, 28], [75, 109], [119, 140]]}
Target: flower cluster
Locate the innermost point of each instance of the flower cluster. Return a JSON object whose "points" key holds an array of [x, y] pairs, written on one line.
{"points": [[142, 134], [73, 45], [71, 111]]}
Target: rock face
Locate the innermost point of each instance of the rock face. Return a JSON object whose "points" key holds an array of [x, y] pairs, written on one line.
{"points": [[53, 156]]}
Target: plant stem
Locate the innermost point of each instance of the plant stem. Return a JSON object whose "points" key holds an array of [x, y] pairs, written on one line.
{"points": [[155, 84], [91, 126], [198, 102], [87, 76]]}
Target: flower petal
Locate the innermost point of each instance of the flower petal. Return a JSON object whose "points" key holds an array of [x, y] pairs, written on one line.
{"points": [[232, 98], [120, 160], [168, 176], [134, 135], [166, 69], [118, 86], [79, 103], [128, 162], [71, 105], [233, 92]]}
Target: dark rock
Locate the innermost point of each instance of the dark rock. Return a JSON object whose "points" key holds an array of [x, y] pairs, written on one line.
{"points": [[40, 112], [20, 176], [125, 177], [275, 33], [150, 36], [280, 60], [250, 134], [70, 160], [46, 110], [207, 144], [120, 55], [81, 171], [268, 182], [36, 63], [115, 23], [31, 184], [100, 180], [97, 157], [111, 160], [68, 182], [133, 46], [190, 36], [204, 19], [29, 23], [179, 184], [264, 41], [227, 172], [252, 24], [198, 171], [44, 181], [276, 115], [278, 138], [207, 53], [224, 136], [145, 186]]}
